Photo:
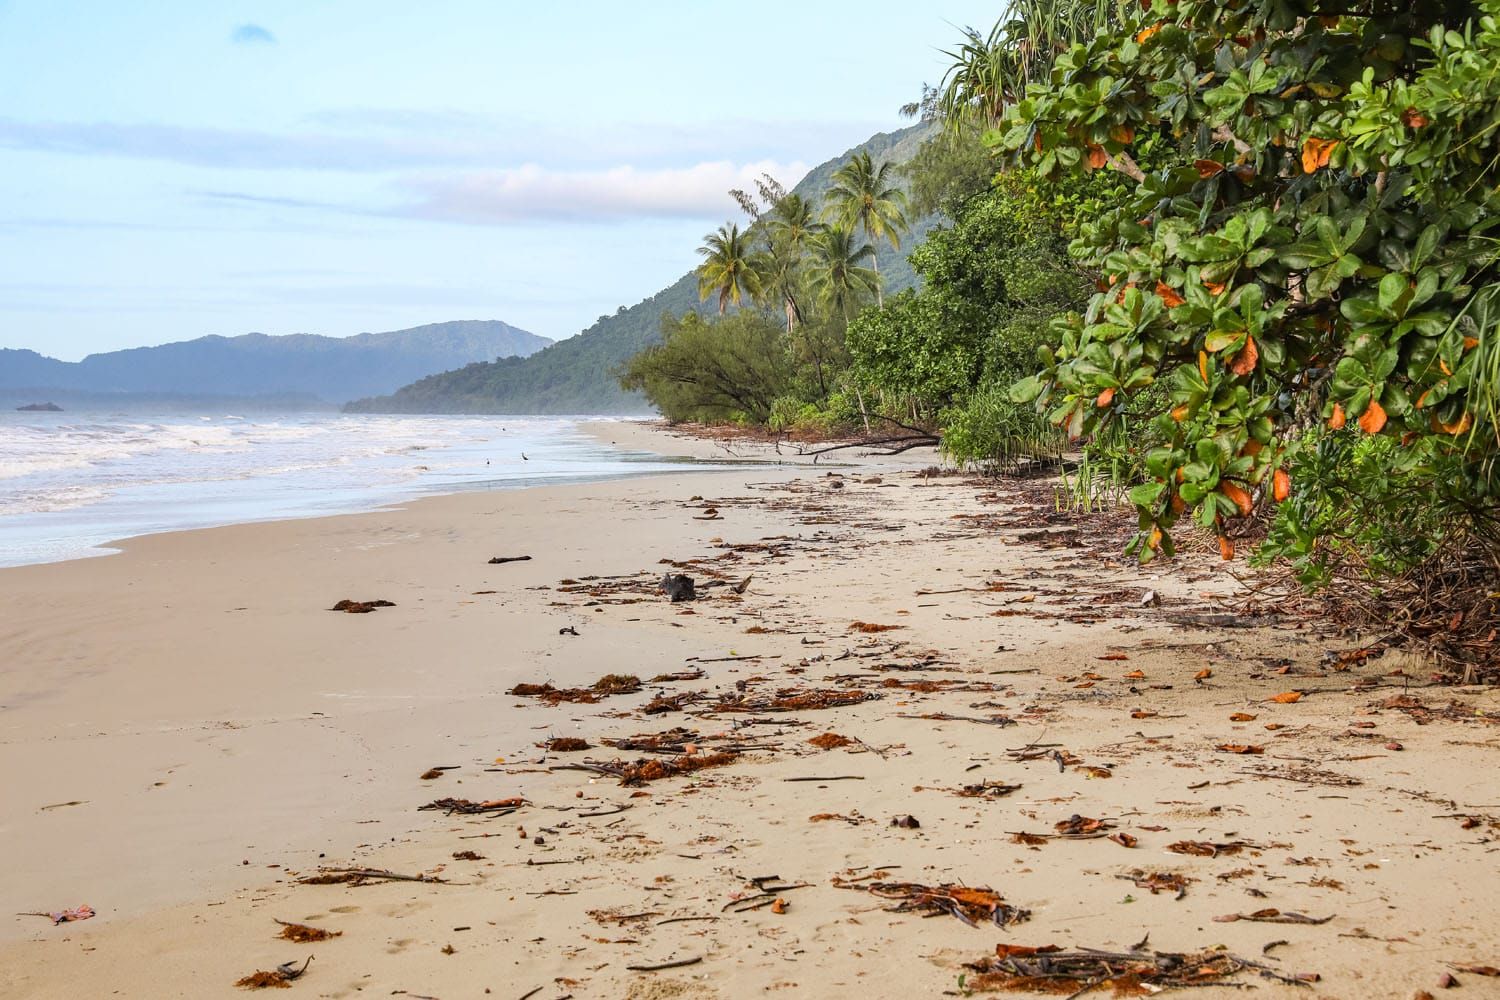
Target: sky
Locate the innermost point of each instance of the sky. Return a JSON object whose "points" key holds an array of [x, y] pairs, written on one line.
{"points": [[176, 168]]}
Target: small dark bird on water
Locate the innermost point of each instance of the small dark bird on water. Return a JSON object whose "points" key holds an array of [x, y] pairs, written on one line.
{"points": [[524, 458]]}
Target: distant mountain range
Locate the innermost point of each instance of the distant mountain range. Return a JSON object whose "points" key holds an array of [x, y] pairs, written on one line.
{"points": [[577, 375], [297, 370]]}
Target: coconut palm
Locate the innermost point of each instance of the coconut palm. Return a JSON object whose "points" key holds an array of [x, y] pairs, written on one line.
{"points": [[791, 225], [866, 196], [838, 278], [991, 71], [726, 269]]}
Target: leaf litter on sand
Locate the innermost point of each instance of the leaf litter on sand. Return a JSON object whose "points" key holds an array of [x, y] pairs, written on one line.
{"points": [[303, 934], [971, 905], [1050, 969], [281, 978]]}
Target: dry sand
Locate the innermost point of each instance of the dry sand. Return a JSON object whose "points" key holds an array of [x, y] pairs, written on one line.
{"points": [[185, 730]]}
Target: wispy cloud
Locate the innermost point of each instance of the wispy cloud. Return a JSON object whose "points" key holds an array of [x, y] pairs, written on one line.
{"points": [[391, 141], [535, 194], [252, 34]]}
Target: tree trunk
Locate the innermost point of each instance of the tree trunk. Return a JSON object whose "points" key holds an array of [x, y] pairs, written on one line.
{"points": [[875, 263], [859, 395]]}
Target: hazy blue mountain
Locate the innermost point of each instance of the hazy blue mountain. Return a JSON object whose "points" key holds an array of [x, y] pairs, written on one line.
{"points": [[577, 375], [334, 369]]}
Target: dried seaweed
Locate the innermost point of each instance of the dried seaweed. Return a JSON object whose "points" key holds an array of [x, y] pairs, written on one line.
{"points": [[303, 934], [468, 807], [794, 700], [971, 905], [279, 979], [830, 741], [1072, 973]]}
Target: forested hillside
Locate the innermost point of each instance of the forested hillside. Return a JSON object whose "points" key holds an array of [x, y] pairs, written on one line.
{"points": [[580, 374]]}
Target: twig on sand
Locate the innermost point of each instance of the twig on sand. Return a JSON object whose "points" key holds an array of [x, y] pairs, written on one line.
{"points": [[680, 963]]}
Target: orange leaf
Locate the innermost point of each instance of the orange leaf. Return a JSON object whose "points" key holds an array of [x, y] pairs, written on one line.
{"points": [[1244, 361], [1153, 541], [1203, 674], [779, 906], [1373, 419], [1443, 366], [1136, 675], [1287, 697], [1226, 548], [1208, 168], [1124, 839], [1470, 343], [1114, 656], [1178, 504], [1216, 287], [1096, 156], [1273, 726], [1281, 485], [1141, 713], [1412, 118], [1315, 153], [1169, 295], [1105, 398], [1242, 717], [1180, 413], [1240, 497], [1337, 420], [1457, 427], [1203, 365], [1123, 134], [1147, 32], [1242, 748]]}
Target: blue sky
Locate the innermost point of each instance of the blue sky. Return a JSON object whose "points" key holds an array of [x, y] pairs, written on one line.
{"points": [[174, 168]]}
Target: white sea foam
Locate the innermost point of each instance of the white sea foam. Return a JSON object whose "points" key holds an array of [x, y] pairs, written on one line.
{"points": [[71, 481]]}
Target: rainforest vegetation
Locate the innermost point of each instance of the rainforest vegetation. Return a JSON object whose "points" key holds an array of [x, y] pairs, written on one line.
{"points": [[1237, 258]]}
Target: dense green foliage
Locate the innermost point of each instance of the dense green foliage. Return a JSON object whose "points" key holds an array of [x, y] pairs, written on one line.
{"points": [[1304, 264], [734, 368]]}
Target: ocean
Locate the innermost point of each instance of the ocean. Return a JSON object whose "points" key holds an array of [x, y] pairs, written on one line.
{"points": [[72, 482]]}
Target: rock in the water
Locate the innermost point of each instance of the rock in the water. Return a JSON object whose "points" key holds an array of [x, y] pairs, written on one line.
{"points": [[40, 408]]}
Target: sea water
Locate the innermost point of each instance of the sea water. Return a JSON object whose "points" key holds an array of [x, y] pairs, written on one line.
{"points": [[71, 482]]}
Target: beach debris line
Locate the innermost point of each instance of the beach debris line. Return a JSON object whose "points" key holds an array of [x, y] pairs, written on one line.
{"points": [[360, 876], [565, 744], [83, 912], [609, 684], [972, 905], [502, 807], [1050, 969], [642, 771], [281, 978], [360, 607], [793, 700]]}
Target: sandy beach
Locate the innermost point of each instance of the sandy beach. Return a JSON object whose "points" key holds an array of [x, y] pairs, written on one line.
{"points": [[1122, 754]]}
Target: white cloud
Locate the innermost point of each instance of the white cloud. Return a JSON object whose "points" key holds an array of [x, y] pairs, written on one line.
{"points": [[534, 193]]}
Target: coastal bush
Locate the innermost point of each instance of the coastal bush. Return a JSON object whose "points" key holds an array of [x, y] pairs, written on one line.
{"points": [[1312, 251], [731, 369]]}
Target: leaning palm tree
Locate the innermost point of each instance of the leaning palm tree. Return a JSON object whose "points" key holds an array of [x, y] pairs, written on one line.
{"points": [[839, 278], [726, 269], [866, 196]]}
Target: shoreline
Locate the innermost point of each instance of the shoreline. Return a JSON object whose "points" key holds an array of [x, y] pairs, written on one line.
{"points": [[190, 706]]}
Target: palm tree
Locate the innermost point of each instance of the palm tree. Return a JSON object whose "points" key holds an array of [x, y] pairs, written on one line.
{"points": [[865, 195], [838, 277], [726, 268], [791, 225], [991, 71]]}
